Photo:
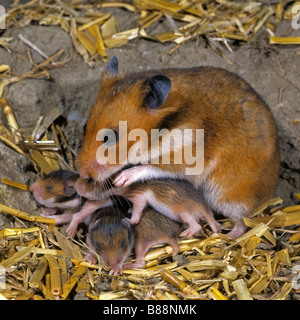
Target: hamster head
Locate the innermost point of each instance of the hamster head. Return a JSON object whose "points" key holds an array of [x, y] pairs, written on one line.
{"points": [[125, 102], [54, 189], [112, 238]]}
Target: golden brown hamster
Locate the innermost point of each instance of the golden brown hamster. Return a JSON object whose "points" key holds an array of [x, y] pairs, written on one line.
{"points": [[240, 149]]}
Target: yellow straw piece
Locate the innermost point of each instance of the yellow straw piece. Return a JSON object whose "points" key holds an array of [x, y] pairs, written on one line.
{"points": [[15, 184], [295, 237], [284, 40], [217, 295], [55, 279], [297, 195], [17, 257], [9, 115], [291, 209], [95, 32], [70, 249], [39, 273], [67, 287], [241, 290], [94, 22], [25, 216], [4, 68], [168, 276]]}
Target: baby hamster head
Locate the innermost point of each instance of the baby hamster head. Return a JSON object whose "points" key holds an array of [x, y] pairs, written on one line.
{"points": [[112, 238], [55, 188], [125, 102]]}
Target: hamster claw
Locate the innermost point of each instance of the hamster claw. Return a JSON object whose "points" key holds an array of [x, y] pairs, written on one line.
{"points": [[189, 232], [139, 264], [128, 176], [90, 258], [134, 220], [121, 180], [238, 230], [46, 212], [71, 230], [114, 270]]}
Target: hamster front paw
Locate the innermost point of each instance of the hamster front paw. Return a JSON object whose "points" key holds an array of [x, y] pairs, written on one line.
{"points": [[91, 258], [114, 270], [72, 229], [139, 264], [46, 212], [128, 176]]}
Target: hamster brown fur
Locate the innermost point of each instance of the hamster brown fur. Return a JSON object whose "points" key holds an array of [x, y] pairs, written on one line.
{"points": [[153, 229], [112, 237], [178, 200], [241, 153], [60, 200], [55, 191]]}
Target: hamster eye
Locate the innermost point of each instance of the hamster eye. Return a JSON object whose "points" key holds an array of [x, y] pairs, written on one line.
{"points": [[49, 187], [123, 243], [84, 130], [98, 246], [111, 138]]}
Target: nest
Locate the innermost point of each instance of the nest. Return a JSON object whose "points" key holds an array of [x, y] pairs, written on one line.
{"points": [[39, 262]]}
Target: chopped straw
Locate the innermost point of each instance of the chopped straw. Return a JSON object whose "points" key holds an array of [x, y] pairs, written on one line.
{"points": [[93, 31], [55, 279], [42, 263]]}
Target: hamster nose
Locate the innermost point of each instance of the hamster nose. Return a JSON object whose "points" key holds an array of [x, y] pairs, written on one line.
{"points": [[84, 174], [32, 187], [36, 189]]}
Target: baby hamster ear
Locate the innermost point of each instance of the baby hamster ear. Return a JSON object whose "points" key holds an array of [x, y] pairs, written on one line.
{"points": [[126, 223], [112, 66], [159, 88], [69, 189]]}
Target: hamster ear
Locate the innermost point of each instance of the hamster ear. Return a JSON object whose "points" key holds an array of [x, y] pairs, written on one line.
{"points": [[159, 88], [112, 66], [69, 188], [126, 223]]}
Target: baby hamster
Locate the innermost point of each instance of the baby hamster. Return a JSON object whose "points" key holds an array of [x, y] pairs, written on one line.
{"points": [[178, 200], [112, 237], [56, 193], [153, 229], [60, 200], [241, 152]]}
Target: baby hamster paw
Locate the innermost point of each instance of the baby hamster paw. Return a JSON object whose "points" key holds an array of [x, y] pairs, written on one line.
{"points": [[238, 230], [91, 259], [115, 269], [72, 229], [189, 232], [134, 220], [128, 176], [46, 212], [139, 264], [123, 179]]}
